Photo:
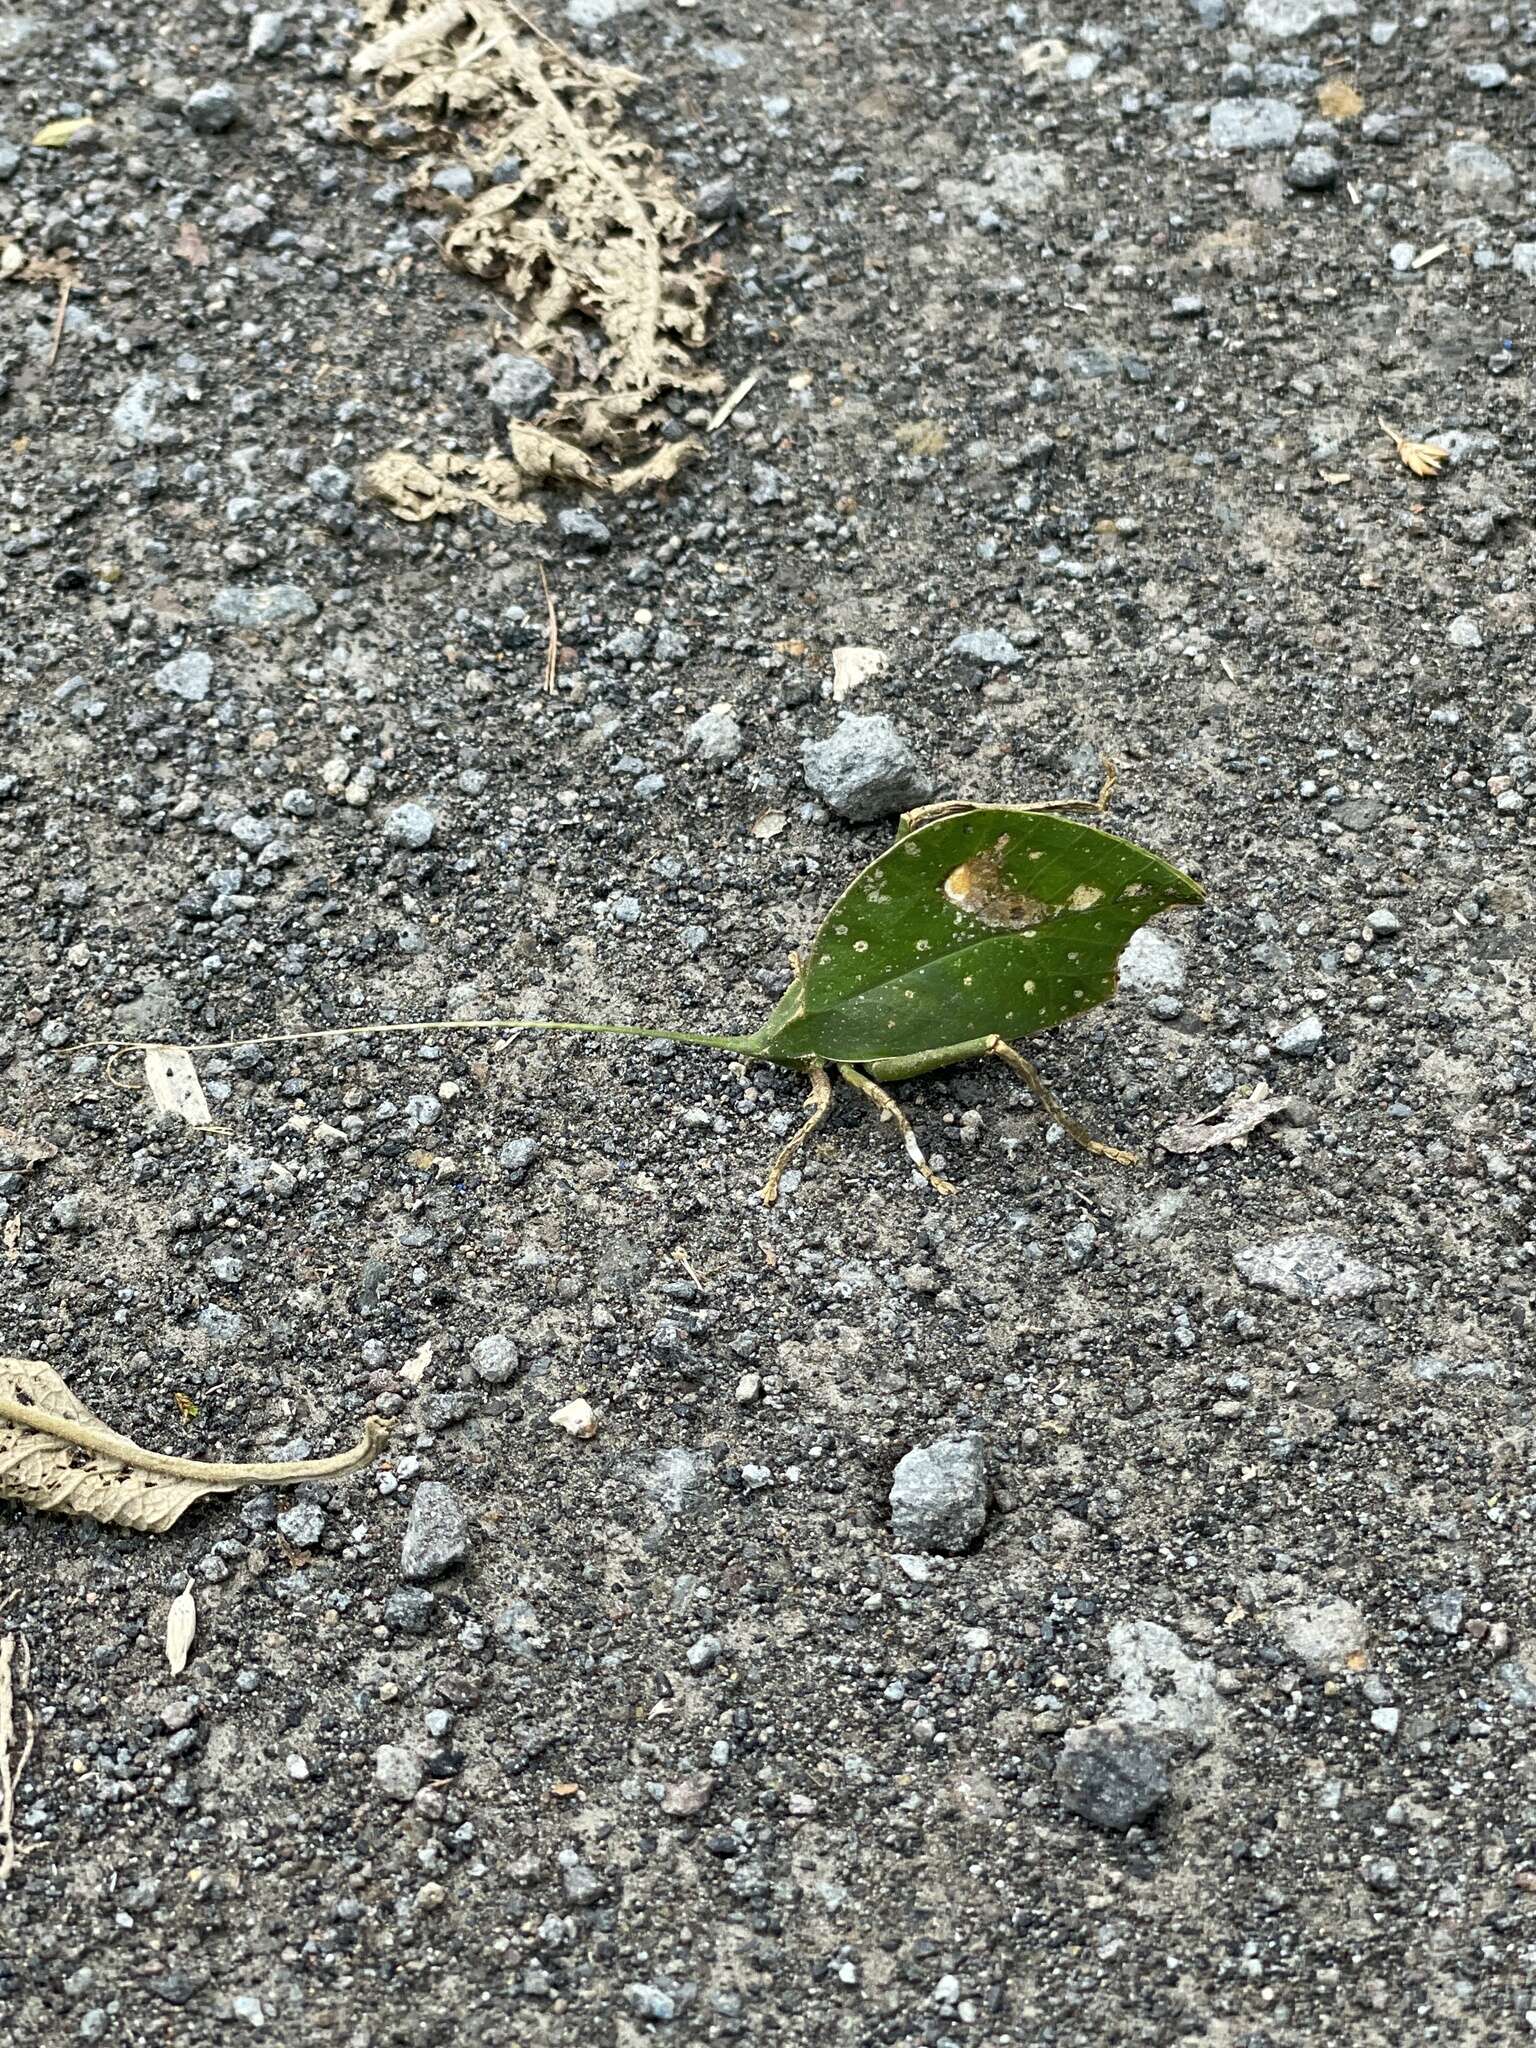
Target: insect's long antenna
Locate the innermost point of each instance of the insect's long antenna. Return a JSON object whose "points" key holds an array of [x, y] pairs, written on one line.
{"points": [[434, 1027]]}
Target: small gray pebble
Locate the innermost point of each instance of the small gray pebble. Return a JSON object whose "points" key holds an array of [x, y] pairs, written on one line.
{"points": [[519, 386], [577, 523], [262, 611], [1113, 1775], [269, 32], [1253, 124], [718, 200], [939, 1496], [410, 826], [1312, 170], [987, 648], [408, 1610], [187, 677], [1301, 1040], [436, 1533], [1445, 1611], [212, 110], [397, 1772], [303, 1524], [495, 1359], [515, 1158], [714, 737]]}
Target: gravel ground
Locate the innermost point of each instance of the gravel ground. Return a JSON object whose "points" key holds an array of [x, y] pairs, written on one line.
{"points": [[1184, 1692]]}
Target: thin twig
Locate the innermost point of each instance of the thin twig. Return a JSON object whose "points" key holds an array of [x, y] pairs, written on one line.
{"points": [[552, 645], [65, 288], [727, 406], [11, 1768]]}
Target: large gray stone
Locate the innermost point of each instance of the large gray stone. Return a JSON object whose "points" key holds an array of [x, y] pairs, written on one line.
{"points": [[436, 1533], [1287, 21], [1309, 1266], [865, 770], [262, 611], [939, 1496], [1161, 1686], [1254, 124]]}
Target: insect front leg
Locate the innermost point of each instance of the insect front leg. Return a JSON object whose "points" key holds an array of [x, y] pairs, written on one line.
{"points": [[1097, 807], [821, 1102], [888, 1108]]}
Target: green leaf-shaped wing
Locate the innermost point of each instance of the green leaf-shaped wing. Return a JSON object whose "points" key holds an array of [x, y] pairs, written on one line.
{"points": [[995, 920]]}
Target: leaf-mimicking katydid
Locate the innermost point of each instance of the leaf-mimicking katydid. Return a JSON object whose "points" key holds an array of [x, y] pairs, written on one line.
{"points": [[980, 924]]}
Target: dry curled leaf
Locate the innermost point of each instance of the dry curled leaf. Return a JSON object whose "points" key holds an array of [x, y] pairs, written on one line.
{"points": [[1231, 1124], [172, 1081], [590, 240], [1424, 458], [56, 1456], [180, 1628], [1337, 100], [415, 490]]}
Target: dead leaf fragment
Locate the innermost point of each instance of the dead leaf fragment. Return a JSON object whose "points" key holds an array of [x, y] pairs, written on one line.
{"points": [[173, 1082], [19, 1153], [591, 241], [1334, 476], [853, 667], [57, 1457], [180, 1628], [576, 1418], [769, 825], [416, 1365], [57, 133], [1042, 58], [1231, 1124], [415, 490], [922, 437], [190, 246], [1424, 458], [17, 1729], [1337, 100]]}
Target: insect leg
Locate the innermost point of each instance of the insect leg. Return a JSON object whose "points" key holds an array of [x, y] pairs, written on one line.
{"points": [[821, 1102], [1098, 807], [1053, 1109], [888, 1108]]}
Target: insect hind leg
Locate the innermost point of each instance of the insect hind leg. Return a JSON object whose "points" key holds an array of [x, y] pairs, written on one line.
{"points": [[1016, 1062]]}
